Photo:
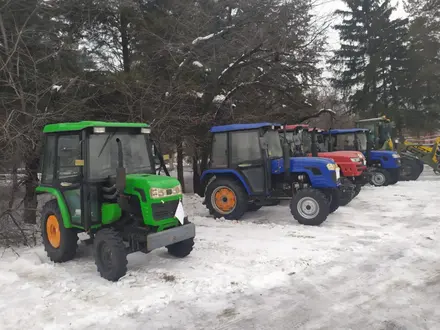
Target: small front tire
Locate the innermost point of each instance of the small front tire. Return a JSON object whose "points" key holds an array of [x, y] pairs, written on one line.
{"points": [[181, 249], [380, 177], [310, 207], [110, 254]]}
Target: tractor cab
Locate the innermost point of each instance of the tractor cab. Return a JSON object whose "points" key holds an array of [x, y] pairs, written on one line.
{"points": [[380, 132], [248, 169], [383, 165], [101, 176]]}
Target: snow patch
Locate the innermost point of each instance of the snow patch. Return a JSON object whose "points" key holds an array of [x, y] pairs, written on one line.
{"points": [[219, 98], [197, 64]]}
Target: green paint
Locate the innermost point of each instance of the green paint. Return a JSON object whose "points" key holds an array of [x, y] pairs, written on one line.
{"points": [[145, 182], [77, 126], [61, 204], [111, 212]]}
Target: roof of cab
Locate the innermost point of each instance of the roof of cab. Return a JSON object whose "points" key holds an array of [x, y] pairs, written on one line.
{"points": [[346, 130], [240, 127], [77, 126]]}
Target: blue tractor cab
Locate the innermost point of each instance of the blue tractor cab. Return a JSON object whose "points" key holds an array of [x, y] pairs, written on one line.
{"points": [[247, 170], [383, 165]]}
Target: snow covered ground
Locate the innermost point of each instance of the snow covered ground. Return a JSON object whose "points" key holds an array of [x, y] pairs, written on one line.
{"points": [[374, 264]]}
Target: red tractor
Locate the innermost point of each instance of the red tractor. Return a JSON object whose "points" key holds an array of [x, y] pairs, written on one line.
{"points": [[303, 140]]}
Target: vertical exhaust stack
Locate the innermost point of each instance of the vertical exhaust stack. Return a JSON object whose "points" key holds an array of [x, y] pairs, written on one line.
{"points": [[314, 146], [286, 155], [120, 170]]}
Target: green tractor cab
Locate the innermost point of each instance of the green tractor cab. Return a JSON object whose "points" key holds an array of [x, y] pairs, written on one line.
{"points": [[102, 178]]}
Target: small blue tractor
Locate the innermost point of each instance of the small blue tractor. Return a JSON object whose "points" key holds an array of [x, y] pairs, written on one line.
{"points": [[382, 165], [248, 169]]}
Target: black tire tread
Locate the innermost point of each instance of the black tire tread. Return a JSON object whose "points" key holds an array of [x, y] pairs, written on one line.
{"points": [[240, 193], [320, 197], [181, 249], [114, 239], [69, 238]]}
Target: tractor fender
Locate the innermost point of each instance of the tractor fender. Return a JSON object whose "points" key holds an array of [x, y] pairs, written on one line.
{"points": [[65, 213], [209, 175], [316, 169]]}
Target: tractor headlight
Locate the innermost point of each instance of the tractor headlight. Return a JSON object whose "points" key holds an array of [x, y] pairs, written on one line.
{"points": [[177, 190], [98, 129], [331, 167], [165, 192], [396, 156], [356, 160], [145, 130]]}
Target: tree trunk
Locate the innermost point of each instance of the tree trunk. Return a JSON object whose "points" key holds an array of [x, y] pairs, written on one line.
{"points": [[180, 176], [30, 197], [124, 41]]}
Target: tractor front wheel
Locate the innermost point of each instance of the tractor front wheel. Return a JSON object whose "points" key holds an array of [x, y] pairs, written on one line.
{"points": [[59, 242], [226, 198], [310, 207], [346, 192], [181, 249], [110, 254], [410, 169], [380, 177]]}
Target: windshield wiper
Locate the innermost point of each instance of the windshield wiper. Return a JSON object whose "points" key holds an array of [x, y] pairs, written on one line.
{"points": [[105, 143]]}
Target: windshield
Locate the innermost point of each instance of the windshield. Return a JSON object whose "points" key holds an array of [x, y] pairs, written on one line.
{"points": [[274, 145], [350, 141], [103, 158]]}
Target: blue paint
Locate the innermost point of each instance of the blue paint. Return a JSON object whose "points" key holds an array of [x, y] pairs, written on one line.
{"points": [[385, 157], [345, 131], [300, 165], [227, 171], [240, 127]]}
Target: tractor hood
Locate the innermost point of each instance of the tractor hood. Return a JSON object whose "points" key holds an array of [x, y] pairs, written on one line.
{"points": [[384, 153], [343, 156], [310, 162], [157, 186]]}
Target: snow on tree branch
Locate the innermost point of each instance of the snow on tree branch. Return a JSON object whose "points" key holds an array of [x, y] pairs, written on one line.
{"points": [[212, 35]]}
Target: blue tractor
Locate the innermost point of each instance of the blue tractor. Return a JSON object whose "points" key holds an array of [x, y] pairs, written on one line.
{"points": [[383, 165], [247, 170]]}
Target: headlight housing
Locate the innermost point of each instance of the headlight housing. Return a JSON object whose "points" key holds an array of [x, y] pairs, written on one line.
{"points": [[165, 192], [331, 167], [356, 160], [396, 156]]}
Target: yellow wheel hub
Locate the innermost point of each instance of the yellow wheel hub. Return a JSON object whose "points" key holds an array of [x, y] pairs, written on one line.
{"points": [[53, 231]]}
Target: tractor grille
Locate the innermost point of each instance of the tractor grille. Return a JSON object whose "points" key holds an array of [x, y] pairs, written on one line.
{"points": [[164, 210]]}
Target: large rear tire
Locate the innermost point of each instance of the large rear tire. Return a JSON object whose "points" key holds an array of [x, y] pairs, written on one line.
{"points": [[410, 169], [310, 207], [60, 243], [110, 254], [226, 198]]}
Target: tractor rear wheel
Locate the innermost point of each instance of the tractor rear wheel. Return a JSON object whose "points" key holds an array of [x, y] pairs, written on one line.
{"points": [[357, 190], [110, 254], [181, 249], [380, 177], [60, 243], [310, 207], [226, 198], [410, 169]]}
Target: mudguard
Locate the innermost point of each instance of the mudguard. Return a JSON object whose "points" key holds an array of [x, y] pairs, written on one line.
{"points": [[316, 168], [387, 159], [219, 172]]}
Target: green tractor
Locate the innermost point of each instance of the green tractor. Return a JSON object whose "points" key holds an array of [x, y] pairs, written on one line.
{"points": [[413, 157], [103, 181]]}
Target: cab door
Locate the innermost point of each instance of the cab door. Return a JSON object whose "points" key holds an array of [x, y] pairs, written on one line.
{"points": [[247, 158]]}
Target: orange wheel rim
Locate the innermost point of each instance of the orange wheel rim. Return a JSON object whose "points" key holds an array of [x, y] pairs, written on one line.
{"points": [[225, 199], [53, 231]]}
